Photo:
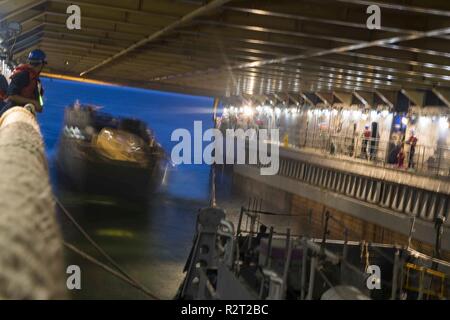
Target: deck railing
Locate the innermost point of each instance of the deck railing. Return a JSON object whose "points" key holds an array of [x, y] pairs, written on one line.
{"points": [[428, 160]]}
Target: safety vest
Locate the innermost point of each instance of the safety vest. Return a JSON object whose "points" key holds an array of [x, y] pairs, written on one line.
{"points": [[2, 95], [412, 141], [3, 88], [28, 91]]}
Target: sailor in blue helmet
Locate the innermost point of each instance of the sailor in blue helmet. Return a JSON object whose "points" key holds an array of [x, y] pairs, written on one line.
{"points": [[25, 87]]}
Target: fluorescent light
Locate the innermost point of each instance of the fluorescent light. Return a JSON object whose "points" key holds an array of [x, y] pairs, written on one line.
{"points": [[443, 122]]}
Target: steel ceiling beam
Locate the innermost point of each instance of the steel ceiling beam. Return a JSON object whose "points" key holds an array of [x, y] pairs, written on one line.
{"points": [[262, 38], [227, 40], [389, 97], [416, 97], [443, 95], [50, 13], [294, 99], [267, 58], [392, 72], [311, 36], [30, 44], [415, 50], [366, 97], [345, 97], [306, 98], [194, 42], [269, 74], [214, 4], [401, 7], [118, 9], [77, 59], [326, 82], [418, 50], [260, 28], [32, 4], [326, 97], [375, 70], [302, 14], [24, 32], [320, 53], [430, 65], [223, 80]]}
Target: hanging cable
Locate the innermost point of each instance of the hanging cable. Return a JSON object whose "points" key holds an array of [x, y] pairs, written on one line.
{"points": [[121, 271], [213, 202], [110, 270]]}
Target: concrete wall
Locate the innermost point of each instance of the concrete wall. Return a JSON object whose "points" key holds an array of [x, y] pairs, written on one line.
{"points": [[274, 198], [310, 211]]}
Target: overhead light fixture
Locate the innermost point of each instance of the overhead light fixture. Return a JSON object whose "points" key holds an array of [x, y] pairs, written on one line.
{"points": [[443, 122]]}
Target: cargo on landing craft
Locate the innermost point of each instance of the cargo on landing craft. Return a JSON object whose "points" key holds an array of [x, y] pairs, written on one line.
{"points": [[108, 155]]}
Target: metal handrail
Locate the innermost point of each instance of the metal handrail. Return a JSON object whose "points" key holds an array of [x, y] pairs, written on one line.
{"points": [[431, 160]]}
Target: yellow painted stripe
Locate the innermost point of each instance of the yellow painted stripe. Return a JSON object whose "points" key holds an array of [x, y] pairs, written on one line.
{"points": [[77, 79]]}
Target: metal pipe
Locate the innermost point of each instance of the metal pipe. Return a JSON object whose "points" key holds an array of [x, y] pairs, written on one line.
{"points": [[303, 279], [395, 275], [269, 249], [402, 273], [287, 262], [312, 275], [213, 202], [214, 4], [317, 249], [421, 283], [238, 231], [411, 231], [29, 233]]}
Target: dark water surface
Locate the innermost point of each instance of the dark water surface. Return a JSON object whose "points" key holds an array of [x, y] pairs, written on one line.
{"points": [[153, 241]]}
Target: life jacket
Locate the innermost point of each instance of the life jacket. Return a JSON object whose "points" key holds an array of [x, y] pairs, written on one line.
{"points": [[3, 88], [3, 95], [413, 141], [28, 91]]}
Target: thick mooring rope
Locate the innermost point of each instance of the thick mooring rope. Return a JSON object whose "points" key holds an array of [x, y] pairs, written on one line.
{"points": [[31, 251]]}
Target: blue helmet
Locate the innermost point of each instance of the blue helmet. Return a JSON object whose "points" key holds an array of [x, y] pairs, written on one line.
{"points": [[37, 57]]}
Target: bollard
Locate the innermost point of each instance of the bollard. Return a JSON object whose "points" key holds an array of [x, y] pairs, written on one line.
{"points": [[31, 251]]}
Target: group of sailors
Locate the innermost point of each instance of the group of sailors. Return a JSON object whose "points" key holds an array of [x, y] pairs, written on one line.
{"points": [[399, 153]]}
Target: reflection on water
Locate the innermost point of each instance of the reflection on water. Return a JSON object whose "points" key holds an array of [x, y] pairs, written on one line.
{"points": [[150, 240]]}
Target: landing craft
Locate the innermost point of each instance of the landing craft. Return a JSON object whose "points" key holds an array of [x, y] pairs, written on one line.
{"points": [[106, 155]]}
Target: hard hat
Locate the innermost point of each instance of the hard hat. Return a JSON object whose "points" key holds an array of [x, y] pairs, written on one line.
{"points": [[37, 56]]}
